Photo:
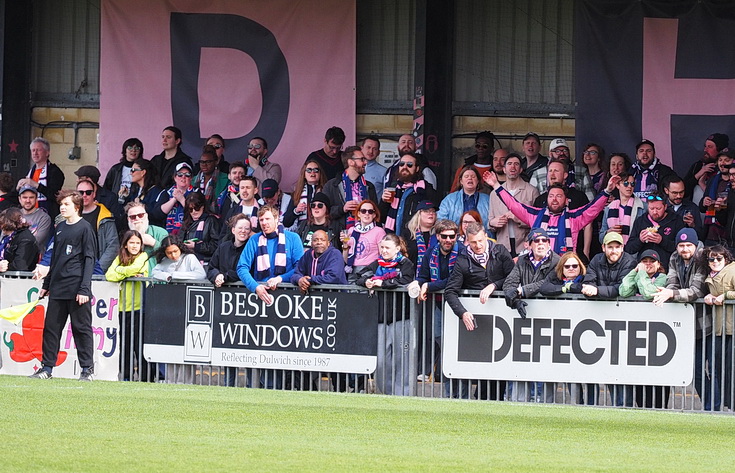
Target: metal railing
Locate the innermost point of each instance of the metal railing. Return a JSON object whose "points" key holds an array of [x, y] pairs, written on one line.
{"points": [[409, 360]]}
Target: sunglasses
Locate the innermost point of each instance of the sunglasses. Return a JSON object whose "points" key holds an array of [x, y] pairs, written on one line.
{"points": [[183, 174], [447, 237], [133, 148], [135, 170], [255, 146], [367, 211], [715, 258], [407, 164], [654, 197], [89, 192], [628, 183], [136, 216], [217, 145], [541, 240], [316, 205], [571, 266], [312, 170]]}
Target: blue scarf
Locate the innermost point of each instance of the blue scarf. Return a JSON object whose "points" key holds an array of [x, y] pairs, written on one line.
{"points": [[422, 247]]}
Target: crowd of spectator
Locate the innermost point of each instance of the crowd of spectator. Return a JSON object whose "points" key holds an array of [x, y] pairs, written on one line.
{"points": [[602, 226]]}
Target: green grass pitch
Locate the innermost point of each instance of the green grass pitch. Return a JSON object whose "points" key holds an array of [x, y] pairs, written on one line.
{"points": [[65, 425]]}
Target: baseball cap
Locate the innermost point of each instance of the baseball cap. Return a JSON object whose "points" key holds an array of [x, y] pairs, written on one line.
{"points": [[649, 254], [536, 233], [181, 166], [557, 142], [611, 237], [269, 188], [89, 171], [531, 134], [28, 188], [425, 205], [645, 142]]}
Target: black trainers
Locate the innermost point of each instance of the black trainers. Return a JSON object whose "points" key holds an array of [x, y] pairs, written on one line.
{"points": [[41, 373], [87, 374]]}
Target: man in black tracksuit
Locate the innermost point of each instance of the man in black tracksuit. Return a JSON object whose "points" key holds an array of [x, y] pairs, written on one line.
{"points": [[69, 287]]}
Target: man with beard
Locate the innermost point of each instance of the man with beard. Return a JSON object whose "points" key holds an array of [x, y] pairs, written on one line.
{"points": [[557, 172], [399, 206], [347, 190], [406, 145], [433, 275], [509, 230], [374, 171], [655, 230], [483, 160], [328, 157], [684, 208], [561, 224], [259, 166], [39, 220], [523, 282], [605, 273], [151, 234], [705, 167], [649, 171], [685, 283]]}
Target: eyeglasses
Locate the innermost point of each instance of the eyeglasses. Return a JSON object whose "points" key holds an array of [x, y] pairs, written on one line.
{"points": [[89, 192], [133, 148], [183, 174], [217, 145], [317, 205], [359, 159], [444, 236], [312, 170], [715, 258], [571, 266], [591, 152], [628, 183], [206, 161], [136, 216], [255, 146], [654, 197], [135, 170], [481, 146], [541, 240], [367, 211], [407, 164]]}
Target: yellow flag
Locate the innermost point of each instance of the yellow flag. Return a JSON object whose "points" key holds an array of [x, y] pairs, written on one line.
{"points": [[16, 313]]}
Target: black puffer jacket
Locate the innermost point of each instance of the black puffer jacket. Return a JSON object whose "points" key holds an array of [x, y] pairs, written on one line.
{"points": [[468, 274], [607, 276]]}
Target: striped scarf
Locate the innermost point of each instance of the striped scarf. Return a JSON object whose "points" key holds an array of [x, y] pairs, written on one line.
{"points": [[253, 214], [354, 190], [481, 258], [355, 235], [422, 247], [262, 259], [388, 269], [307, 193], [624, 218], [434, 265], [560, 245], [394, 219], [646, 179]]}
